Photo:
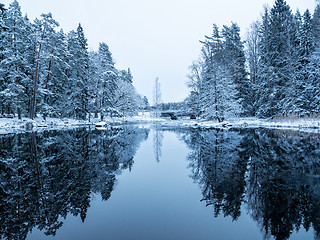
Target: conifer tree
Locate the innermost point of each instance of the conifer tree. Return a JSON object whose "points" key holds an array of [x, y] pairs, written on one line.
{"points": [[306, 45], [77, 73], [45, 71], [277, 63], [316, 24], [14, 64], [235, 60], [214, 91], [107, 80]]}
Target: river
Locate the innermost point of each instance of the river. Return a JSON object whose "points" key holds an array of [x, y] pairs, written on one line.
{"points": [[152, 182]]}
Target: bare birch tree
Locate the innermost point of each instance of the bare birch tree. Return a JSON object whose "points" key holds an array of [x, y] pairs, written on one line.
{"points": [[157, 97]]}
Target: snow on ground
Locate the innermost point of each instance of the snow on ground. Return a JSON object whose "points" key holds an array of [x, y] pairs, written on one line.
{"points": [[9, 125], [302, 124]]}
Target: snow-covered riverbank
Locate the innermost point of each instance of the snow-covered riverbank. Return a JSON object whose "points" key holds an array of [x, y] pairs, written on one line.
{"points": [[9, 125], [305, 125], [302, 124]]}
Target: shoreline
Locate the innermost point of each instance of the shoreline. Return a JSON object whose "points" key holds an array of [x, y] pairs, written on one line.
{"points": [[13, 125]]}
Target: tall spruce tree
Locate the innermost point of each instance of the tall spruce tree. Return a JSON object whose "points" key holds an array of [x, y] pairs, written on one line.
{"points": [[77, 73], [44, 34], [14, 65], [277, 63], [316, 25], [300, 104], [108, 75], [214, 91], [235, 62]]}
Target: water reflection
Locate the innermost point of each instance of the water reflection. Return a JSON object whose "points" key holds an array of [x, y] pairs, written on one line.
{"points": [[276, 175], [157, 142], [45, 176]]}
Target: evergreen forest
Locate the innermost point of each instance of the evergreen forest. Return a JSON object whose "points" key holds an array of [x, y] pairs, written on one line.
{"points": [[274, 72], [48, 72]]}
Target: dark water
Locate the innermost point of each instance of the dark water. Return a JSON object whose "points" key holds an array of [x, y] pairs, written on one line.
{"points": [[151, 183]]}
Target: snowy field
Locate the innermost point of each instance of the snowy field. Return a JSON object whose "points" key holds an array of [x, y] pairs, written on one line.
{"points": [[11, 125]]}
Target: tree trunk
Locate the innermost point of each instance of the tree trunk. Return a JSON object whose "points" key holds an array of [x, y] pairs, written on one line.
{"points": [[19, 113], [33, 103]]}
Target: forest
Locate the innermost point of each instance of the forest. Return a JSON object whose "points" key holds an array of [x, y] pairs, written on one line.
{"points": [[48, 72], [274, 72]]}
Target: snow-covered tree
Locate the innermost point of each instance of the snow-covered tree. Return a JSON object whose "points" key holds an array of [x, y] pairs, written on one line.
{"points": [[157, 97], [316, 25], [78, 61], [52, 67], [277, 61], [253, 56], [235, 63], [45, 29], [14, 64], [194, 83], [43, 70], [127, 101], [145, 102], [299, 104], [214, 84], [108, 75]]}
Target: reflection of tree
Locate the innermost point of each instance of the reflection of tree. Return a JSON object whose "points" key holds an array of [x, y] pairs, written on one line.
{"points": [[276, 174], [214, 162], [283, 188], [43, 177], [157, 142]]}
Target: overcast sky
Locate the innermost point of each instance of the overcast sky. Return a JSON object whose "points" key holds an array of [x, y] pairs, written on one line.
{"points": [[155, 38]]}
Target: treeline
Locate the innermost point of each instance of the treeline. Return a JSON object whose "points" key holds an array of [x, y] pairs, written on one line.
{"points": [[46, 71], [273, 73]]}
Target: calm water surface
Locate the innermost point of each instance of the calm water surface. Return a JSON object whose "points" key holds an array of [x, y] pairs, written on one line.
{"points": [[136, 182]]}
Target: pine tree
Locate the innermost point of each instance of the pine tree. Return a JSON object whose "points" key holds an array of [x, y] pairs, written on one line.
{"points": [[300, 103], [312, 88], [235, 60], [77, 73], [94, 84], [277, 65], [14, 64], [316, 25], [44, 35], [51, 44], [214, 91], [108, 76], [3, 30], [46, 71], [56, 80]]}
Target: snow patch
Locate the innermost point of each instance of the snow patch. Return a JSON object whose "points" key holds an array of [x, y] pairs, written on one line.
{"points": [[9, 125]]}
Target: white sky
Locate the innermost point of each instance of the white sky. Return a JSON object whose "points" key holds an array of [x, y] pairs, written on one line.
{"points": [[155, 38]]}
